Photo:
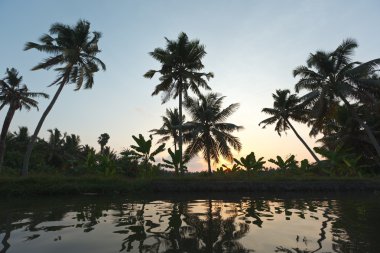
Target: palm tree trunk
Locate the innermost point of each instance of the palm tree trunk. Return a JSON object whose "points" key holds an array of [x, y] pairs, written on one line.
{"points": [[303, 142], [175, 146], [25, 165], [180, 129], [4, 131], [2, 106], [368, 131], [209, 161]]}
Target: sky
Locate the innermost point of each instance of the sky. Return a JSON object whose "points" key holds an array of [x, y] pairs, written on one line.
{"points": [[252, 48]]}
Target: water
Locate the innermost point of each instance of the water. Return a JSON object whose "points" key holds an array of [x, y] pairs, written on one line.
{"points": [[289, 224]]}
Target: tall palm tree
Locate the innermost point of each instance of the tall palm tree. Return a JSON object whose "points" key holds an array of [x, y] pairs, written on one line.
{"points": [[181, 63], [287, 106], [207, 132], [333, 76], [17, 96], [73, 51], [170, 127]]}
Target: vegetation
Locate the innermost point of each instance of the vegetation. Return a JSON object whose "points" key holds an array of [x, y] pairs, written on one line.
{"points": [[174, 163], [170, 127], [331, 78], [181, 63], [207, 132], [143, 150], [103, 140], [250, 163], [17, 97], [74, 53], [341, 105], [287, 106]]}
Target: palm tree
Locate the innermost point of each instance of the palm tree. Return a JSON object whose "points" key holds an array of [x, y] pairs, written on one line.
{"points": [[103, 140], [181, 63], [74, 53], [17, 96], [170, 127], [207, 132], [332, 76], [287, 106]]}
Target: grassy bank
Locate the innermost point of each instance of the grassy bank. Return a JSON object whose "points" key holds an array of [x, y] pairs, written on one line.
{"points": [[64, 185]]}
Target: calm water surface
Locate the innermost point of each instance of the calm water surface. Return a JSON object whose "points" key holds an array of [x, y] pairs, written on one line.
{"points": [[191, 224]]}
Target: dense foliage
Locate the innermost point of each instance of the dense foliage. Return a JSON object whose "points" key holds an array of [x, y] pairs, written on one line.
{"points": [[341, 105]]}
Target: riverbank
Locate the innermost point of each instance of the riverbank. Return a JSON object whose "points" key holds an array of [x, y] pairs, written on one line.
{"points": [[93, 185]]}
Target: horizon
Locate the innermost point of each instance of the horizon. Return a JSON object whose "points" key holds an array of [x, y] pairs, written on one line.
{"points": [[250, 52]]}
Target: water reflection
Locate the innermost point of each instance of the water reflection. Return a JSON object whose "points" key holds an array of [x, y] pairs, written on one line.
{"points": [[206, 225]]}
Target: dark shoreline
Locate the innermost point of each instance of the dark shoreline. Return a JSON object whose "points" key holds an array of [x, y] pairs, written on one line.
{"points": [[54, 186]]}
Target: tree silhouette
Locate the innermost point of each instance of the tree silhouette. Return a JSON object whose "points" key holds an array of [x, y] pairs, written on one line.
{"points": [[74, 53], [18, 97], [207, 132], [170, 127], [103, 140], [332, 76], [181, 63], [287, 106], [143, 150]]}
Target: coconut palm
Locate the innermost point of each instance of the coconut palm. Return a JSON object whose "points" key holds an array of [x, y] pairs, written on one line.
{"points": [[73, 51], [287, 106], [17, 96], [181, 63], [207, 132], [332, 76], [170, 127]]}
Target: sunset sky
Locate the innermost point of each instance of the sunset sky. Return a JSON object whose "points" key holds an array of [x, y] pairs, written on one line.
{"points": [[252, 48]]}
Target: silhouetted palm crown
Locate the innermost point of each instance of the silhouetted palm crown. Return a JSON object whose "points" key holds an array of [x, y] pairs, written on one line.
{"points": [[285, 106], [207, 131], [331, 76], [170, 127], [181, 62], [15, 94], [74, 53]]}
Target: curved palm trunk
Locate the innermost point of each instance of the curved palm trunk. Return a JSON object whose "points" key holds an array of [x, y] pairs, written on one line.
{"points": [[303, 142], [323, 232], [368, 131], [25, 165], [7, 122], [2, 106], [180, 130]]}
